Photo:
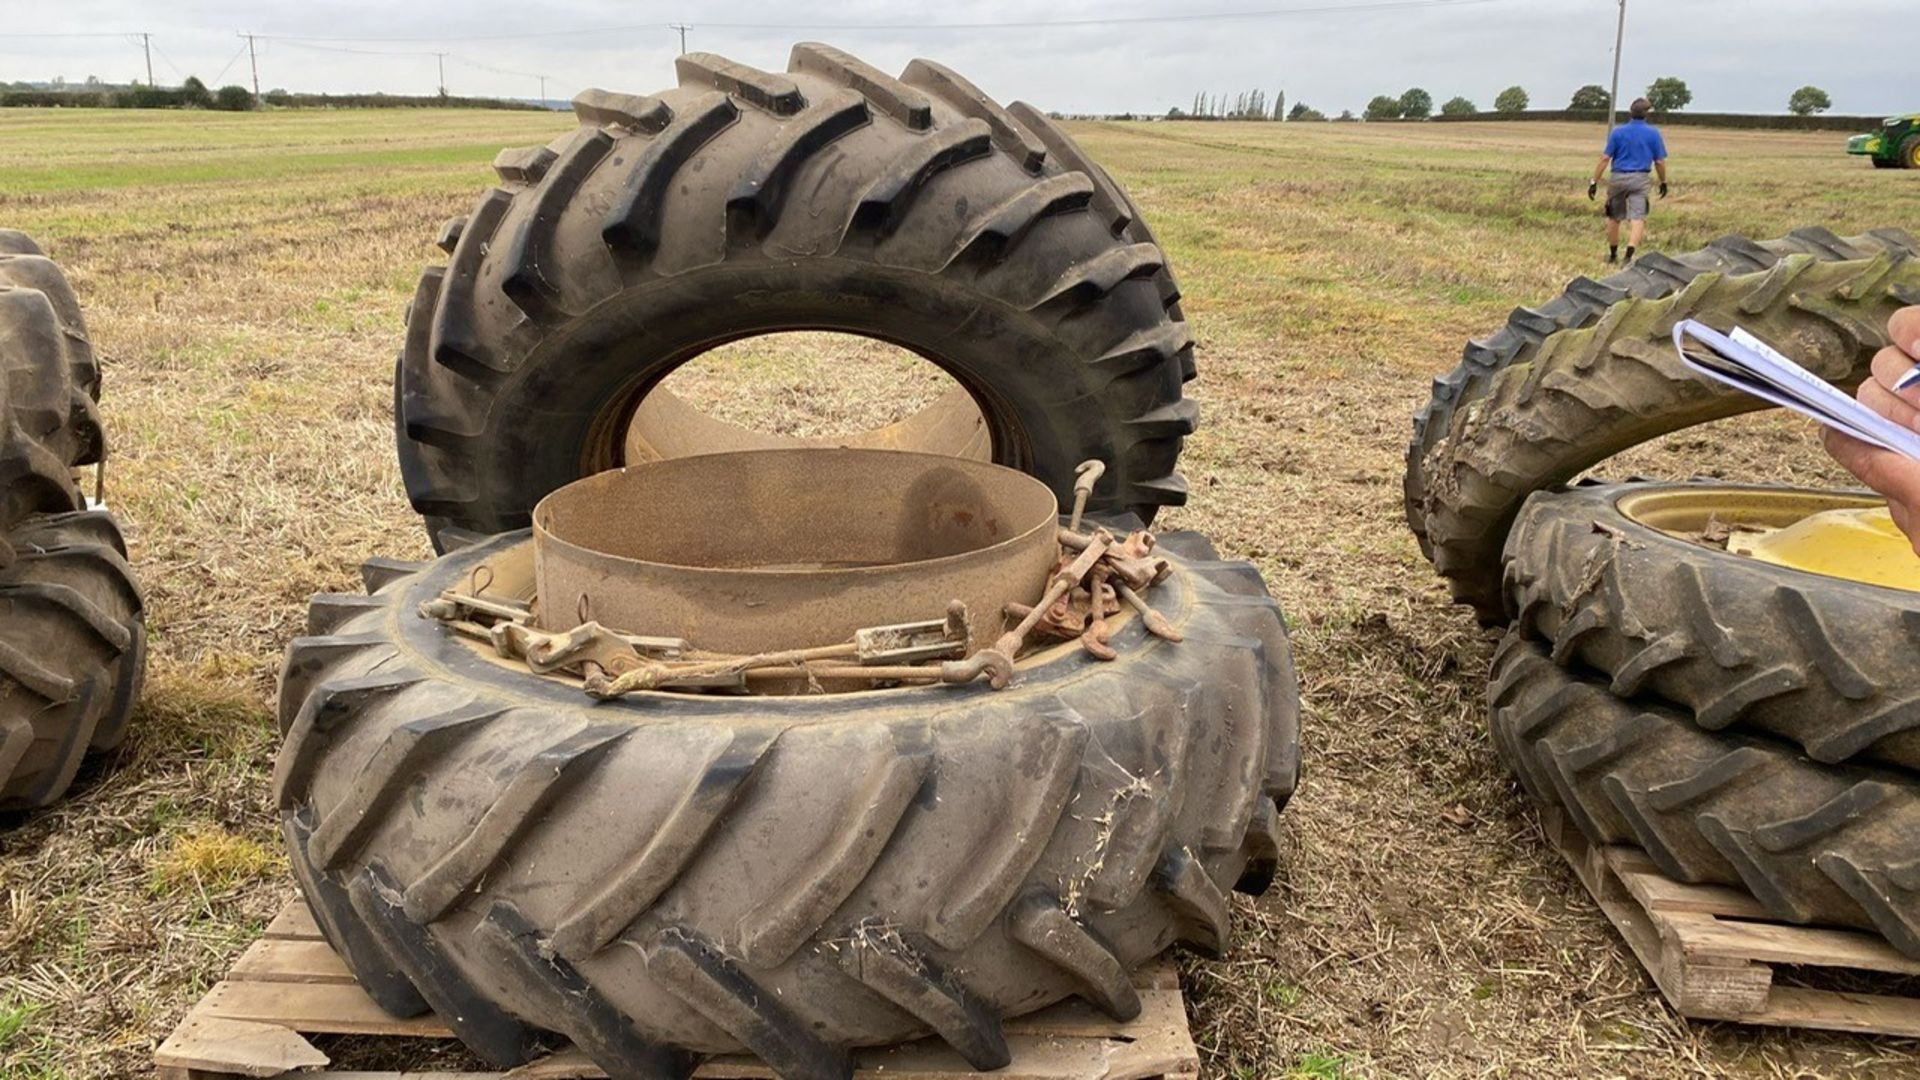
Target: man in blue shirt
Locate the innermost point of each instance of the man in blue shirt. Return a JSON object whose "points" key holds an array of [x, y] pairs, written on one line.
{"points": [[1633, 150]]}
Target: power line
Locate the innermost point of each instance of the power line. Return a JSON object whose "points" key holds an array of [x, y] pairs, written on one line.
{"points": [[471, 62], [1024, 24], [96, 34], [228, 66], [168, 60], [299, 44]]}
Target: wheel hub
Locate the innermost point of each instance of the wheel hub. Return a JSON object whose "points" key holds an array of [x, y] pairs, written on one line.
{"points": [[761, 550]]}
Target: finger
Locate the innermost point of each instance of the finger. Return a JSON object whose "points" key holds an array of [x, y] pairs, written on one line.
{"points": [[1898, 408], [1902, 517], [1892, 475], [1903, 520], [1904, 329], [1889, 364]]}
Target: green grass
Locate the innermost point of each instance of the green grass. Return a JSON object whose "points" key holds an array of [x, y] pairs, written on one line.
{"points": [[13, 1021]]}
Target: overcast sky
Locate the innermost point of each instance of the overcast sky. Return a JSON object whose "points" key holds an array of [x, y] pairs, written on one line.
{"points": [[1736, 55]]}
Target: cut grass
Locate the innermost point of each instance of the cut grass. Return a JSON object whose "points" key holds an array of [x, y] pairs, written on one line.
{"points": [[212, 860], [248, 312]]}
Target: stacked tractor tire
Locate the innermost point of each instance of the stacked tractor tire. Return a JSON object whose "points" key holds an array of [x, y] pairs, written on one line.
{"points": [[72, 644], [1746, 723], [671, 875]]}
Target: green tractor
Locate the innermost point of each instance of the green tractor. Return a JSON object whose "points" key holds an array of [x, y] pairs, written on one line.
{"points": [[1894, 146]]}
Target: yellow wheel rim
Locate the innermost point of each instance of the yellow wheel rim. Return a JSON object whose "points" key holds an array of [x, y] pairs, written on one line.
{"points": [[1828, 533]]}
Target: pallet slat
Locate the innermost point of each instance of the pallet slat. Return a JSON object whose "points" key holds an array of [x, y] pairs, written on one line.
{"points": [[1710, 949], [290, 960], [209, 1042], [289, 984]]}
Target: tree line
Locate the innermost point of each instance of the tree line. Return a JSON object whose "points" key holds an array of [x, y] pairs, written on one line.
{"points": [[194, 94], [1666, 94]]}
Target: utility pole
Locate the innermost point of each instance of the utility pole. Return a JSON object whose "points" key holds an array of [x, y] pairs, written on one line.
{"points": [[543, 91], [1619, 37], [146, 43], [683, 28], [253, 61], [442, 58]]}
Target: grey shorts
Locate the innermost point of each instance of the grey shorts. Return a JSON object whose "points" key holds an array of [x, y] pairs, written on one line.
{"points": [[1627, 196]]}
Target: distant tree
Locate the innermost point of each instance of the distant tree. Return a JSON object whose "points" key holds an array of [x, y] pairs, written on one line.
{"points": [[1175, 113], [1668, 94], [1458, 106], [1280, 105], [1511, 100], [1383, 107], [1589, 98], [1299, 111], [278, 96], [1346, 115], [194, 92], [1809, 100], [233, 99], [1416, 104], [1314, 114]]}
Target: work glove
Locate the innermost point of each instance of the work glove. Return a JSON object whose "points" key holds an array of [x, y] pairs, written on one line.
{"points": [[1593, 187], [1663, 189]]}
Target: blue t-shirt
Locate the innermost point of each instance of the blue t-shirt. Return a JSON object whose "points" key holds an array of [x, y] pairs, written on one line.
{"points": [[1634, 146]]}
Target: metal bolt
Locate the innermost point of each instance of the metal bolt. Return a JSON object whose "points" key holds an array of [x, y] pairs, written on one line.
{"points": [[1085, 475], [1094, 638], [1156, 623]]}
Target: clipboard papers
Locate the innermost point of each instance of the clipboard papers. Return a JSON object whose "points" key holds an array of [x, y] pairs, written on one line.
{"points": [[1744, 362]]}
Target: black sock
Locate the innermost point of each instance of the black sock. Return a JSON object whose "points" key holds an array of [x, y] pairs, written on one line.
{"points": [[1613, 252], [1629, 252]]}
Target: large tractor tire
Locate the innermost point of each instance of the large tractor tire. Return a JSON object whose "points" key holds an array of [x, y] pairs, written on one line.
{"points": [[72, 644], [672, 875], [1813, 843], [835, 197], [1824, 662], [1567, 385]]}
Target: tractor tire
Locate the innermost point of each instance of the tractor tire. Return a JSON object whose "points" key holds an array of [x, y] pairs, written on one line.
{"points": [[832, 197], [667, 875], [72, 644], [1910, 152], [1813, 843], [1823, 662], [1567, 385], [49, 412], [72, 652]]}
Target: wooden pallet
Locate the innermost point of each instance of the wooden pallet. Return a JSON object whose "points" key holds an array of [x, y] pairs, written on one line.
{"points": [[289, 984], [1714, 951]]}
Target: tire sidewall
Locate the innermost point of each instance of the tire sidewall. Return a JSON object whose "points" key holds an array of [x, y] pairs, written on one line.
{"points": [[565, 405]]}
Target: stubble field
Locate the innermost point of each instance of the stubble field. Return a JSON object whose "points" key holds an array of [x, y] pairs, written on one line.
{"points": [[245, 278]]}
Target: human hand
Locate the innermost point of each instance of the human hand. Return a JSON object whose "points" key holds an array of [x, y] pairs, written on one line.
{"points": [[1593, 186], [1894, 476], [1663, 189]]}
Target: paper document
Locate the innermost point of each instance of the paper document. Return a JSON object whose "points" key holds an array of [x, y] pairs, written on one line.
{"points": [[1744, 362]]}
